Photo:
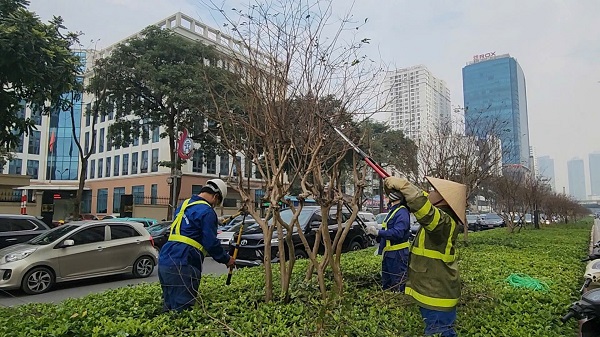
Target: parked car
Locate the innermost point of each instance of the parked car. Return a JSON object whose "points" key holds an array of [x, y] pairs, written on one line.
{"points": [[379, 219], [226, 237], [160, 233], [77, 250], [251, 249], [16, 229], [473, 221], [235, 221], [489, 221], [147, 222], [111, 216], [368, 218]]}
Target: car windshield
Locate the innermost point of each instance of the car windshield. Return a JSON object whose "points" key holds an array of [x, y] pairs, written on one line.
{"points": [[52, 235], [493, 217], [287, 214], [247, 226], [472, 217], [155, 229], [380, 217]]}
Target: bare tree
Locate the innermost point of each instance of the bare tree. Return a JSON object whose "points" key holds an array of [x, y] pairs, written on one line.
{"points": [[295, 72]]}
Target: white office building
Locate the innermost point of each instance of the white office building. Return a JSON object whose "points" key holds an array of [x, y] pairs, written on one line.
{"points": [[417, 101]]}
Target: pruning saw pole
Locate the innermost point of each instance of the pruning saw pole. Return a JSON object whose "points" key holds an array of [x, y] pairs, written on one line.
{"points": [[237, 245], [372, 163]]}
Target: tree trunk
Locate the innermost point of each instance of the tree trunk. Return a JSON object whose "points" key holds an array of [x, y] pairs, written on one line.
{"points": [[79, 197]]}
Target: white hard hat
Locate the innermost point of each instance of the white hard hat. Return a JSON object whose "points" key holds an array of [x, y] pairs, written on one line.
{"points": [[218, 186]]}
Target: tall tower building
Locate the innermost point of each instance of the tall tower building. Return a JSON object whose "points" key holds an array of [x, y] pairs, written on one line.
{"points": [[594, 165], [576, 178], [417, 101], [494, 92], [545, 166]]}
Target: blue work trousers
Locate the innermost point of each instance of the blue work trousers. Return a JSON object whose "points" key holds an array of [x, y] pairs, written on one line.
{"points": [[439, 322], [394, 266], [179, 286]]}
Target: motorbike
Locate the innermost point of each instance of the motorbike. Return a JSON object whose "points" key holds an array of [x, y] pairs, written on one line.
{"points": [[592, 270], [588, 309]]}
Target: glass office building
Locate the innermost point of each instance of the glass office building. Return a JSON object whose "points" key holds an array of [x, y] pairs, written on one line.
{"points": [[495, 96], [63, 155]]}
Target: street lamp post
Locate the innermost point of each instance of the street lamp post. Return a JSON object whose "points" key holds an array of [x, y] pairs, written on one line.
{"points": [[62, 172]]}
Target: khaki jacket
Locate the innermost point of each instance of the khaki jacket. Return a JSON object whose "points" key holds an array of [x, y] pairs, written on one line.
{"points": [[433, 279]]}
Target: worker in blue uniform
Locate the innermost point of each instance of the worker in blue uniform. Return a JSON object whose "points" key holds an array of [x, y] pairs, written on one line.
{"points": [[193, 237], [393, 243]]}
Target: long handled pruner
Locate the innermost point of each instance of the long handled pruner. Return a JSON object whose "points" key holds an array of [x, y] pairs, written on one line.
{"points": [[372, 163], [237, 245]]}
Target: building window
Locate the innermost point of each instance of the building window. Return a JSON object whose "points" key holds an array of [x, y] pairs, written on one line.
{"points": [[15, 166], [144, 163], [155, 160], [88, 114], [211, 164], [136, 141], [100, 167], [134, 163], [125, 170], [36, 116], [196, 189], [117, 193], [33, 167], [19, 148], [34, 142], [156, 135], [101, 141], [117, 168], [108, 166], [102, 201], [86, 202], [138, 194], [108, 144], [235, 168], [224, 165], [93, 169], [153, 194], [86, 143], [102, 117], [145, 133], [197, 163]]}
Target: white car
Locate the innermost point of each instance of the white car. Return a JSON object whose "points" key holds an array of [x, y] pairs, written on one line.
{"points": [[369, 219]]}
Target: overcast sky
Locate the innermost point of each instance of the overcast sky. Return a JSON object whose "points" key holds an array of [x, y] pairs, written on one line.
{"points": [[556, 42]]}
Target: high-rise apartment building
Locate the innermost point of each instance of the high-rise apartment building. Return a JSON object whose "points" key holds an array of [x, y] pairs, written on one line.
{"points": [[576, 178], [495, 96], [417, 101], [545, 166], [594, 166]]}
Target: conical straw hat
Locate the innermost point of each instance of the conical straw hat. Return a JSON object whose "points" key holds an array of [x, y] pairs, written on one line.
{"points": [[455, 195]]}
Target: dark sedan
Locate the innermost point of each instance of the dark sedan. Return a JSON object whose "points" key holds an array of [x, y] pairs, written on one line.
{"points": [[160, 233], [16, 229]]}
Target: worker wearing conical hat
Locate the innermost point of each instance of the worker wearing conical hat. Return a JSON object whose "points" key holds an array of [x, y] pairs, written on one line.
{"points": [[433, 280]]}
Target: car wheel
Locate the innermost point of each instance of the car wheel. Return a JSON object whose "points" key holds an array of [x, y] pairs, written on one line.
{"points": [[300, 254], [143, 267], [354, 246], [37, 280]]}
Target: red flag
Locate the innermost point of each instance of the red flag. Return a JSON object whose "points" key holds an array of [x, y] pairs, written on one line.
{"points": [[52, 141]]}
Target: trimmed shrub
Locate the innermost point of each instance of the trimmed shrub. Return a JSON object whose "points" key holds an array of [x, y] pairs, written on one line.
{"points": [[489, 306]]}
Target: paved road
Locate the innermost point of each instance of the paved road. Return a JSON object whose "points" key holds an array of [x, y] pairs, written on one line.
{"points": [[74, 289]]}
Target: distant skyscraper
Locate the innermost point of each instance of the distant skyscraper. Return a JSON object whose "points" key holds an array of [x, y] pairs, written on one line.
{"points": [[417, 100], [545, 166], [576, 178], [494, 90], [594, 162]]}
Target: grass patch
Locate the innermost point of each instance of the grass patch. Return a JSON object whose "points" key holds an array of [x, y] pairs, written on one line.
{"points": [[489, 306]]}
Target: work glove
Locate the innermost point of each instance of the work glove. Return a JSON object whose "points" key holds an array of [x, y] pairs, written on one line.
{"points": [[231, 262], [371, 230], [395, 184]]}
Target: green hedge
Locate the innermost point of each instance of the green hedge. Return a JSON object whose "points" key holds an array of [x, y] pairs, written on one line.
{"points": [[489, 306]]}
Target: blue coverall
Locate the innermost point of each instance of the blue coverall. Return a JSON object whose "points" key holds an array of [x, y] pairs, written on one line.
{"points": [[180, 264], [394, 264]]}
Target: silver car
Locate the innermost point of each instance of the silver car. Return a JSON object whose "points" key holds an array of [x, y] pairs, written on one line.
{"points": [[77, 250]]}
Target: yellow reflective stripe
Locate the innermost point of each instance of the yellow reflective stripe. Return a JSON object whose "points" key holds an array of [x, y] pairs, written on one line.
{"points": [[452, 228], [423, 210], [188, 241], [384, 224], [435, 221], [432, 254], [175, 234], [399, 246], [432, 301]]}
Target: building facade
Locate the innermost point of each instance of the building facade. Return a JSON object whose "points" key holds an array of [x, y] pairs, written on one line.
{"points": [[594, 166], [576, 178], [546, 170], [495, 96], [418, 102], [51, 157]]}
